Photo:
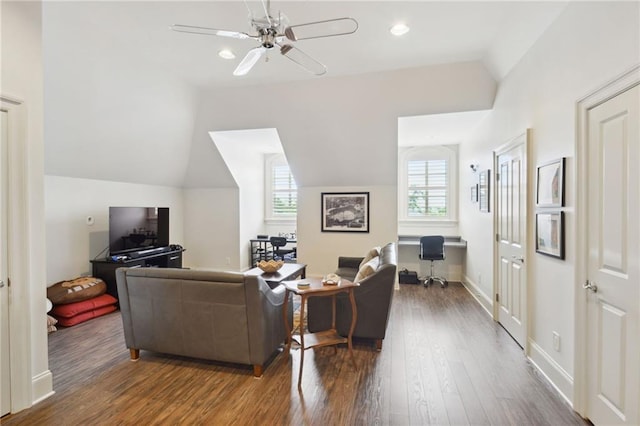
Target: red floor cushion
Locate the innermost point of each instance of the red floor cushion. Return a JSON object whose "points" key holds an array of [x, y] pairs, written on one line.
{"points": [[76, 290], [85, 316], [72, 309]]}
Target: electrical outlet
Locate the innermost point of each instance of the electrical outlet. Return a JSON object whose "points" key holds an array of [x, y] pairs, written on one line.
{"points": [[556, 341]]}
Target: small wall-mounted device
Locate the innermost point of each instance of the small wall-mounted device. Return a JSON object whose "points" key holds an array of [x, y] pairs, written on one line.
{"points": [[474, 167]]}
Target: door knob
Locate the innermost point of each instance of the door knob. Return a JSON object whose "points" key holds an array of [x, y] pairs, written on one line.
{"points": [[589, 285], [517, 259], [1, 283]]}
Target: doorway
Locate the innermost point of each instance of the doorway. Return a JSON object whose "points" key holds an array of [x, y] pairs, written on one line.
{"points": [[608, 270], [5, 365], [510, 309]]}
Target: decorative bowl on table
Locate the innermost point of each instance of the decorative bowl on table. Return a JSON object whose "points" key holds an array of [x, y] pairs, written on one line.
{"points": [[270, 266]]}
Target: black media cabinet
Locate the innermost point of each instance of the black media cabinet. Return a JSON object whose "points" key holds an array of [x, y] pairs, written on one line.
{"points": [[106, 268]]}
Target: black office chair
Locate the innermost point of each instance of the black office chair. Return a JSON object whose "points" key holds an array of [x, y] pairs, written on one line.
{"points": [[432, 249], [278, 243]]}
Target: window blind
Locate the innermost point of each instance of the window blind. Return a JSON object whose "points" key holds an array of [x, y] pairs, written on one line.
{"points": [[284, 193], [427, 185]]}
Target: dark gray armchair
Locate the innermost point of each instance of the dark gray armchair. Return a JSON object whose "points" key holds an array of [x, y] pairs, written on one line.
{"points": [[373, 299]]}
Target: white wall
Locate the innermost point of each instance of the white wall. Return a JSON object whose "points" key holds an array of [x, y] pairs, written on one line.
{"points": [[212, 228], [337, 133], [320, 250], [588, 45], [109, 116], [342, 130], [72, 243], [246, 164], [22, 78]]}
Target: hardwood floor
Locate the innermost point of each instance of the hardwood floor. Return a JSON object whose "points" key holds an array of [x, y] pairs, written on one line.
{"points": [[444, 361]]}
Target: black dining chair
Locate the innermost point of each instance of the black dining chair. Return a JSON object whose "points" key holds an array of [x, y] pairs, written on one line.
{"points": [[277, 243], [432, 249]]}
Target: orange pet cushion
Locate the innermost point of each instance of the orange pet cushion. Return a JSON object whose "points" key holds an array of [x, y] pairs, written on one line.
{"points": [[76, 290], [72, 309], [85, 316]]}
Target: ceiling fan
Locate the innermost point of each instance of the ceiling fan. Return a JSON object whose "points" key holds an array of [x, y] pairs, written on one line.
{"points": [[275, 32]]}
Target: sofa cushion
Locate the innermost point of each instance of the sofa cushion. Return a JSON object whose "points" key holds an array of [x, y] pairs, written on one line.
{"points": [[367, 269], [76, 290], [374, 252]]}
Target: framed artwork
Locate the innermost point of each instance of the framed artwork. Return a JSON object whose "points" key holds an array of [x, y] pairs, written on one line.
{"points": [[550, 184], [550, 234], [483, 190], [345, 212], [474, 193]]}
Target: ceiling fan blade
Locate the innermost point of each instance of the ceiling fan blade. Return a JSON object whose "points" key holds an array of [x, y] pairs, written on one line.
{"points": [[210, 31], [249, 60], [302, 59], [319, 29]]}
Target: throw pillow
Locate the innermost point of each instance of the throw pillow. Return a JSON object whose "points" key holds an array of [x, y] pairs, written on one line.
{"points": [[76, 290], [367, 269], [374, 252]]}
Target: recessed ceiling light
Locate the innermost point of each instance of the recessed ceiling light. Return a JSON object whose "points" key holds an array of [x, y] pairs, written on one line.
{"points": [[399, 29], [226, 54]]}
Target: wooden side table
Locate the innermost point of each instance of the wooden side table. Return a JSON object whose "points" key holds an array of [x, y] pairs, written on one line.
{"points": [[322, 338]]}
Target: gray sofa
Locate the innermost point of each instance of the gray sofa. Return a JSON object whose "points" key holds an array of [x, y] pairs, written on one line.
{"points": [[373, 299], [220, 316]]}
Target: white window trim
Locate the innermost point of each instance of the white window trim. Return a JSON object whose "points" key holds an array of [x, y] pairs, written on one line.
{"points": [[450, 152], [272, 160]]}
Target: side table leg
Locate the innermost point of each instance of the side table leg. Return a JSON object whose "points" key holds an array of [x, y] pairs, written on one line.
{"points": [[301, 328], [354, 318], [287, 326]]}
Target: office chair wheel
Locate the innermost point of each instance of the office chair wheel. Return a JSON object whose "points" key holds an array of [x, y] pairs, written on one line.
{"points": [[428, 282], [444, 283]]}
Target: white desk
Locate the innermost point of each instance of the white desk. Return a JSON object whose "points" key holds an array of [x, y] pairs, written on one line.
{"points": [[414, 240], [450, 268]]}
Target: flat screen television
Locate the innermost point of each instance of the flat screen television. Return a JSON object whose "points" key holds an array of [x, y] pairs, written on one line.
{"points": [[137, 228]]}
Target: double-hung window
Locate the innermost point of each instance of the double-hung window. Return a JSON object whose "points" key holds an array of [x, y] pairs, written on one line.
{"points": [[281, 191], [428, 184]]}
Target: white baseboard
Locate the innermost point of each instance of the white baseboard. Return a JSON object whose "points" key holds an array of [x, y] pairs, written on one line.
{"points": [[552, 371], [42, 386], [485, 301]]}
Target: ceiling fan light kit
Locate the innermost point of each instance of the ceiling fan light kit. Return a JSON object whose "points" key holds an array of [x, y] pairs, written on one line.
{"points": [[399, 29], [226, 54], [272, 32]]}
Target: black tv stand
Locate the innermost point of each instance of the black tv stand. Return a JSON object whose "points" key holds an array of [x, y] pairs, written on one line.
{"points": [[161, 257]]}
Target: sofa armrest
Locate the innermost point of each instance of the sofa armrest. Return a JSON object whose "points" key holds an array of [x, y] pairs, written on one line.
{"points": [[264, 318], [349, 262]]}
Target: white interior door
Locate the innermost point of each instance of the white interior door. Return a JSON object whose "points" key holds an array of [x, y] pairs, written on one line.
{"points": [[5, 366], [613, 356], [511, 222]]}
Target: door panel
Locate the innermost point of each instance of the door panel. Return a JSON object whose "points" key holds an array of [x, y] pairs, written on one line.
{"points": [[5, 366], [613, 264], [511, 225]]}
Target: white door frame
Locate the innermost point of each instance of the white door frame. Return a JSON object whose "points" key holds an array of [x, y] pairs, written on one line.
{"points": [[602, 94], [18, 235], [496, 244]]}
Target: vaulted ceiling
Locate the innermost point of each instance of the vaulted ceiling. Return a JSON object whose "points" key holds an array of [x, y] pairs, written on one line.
{"points": [[496, 32], [124, 95]]}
